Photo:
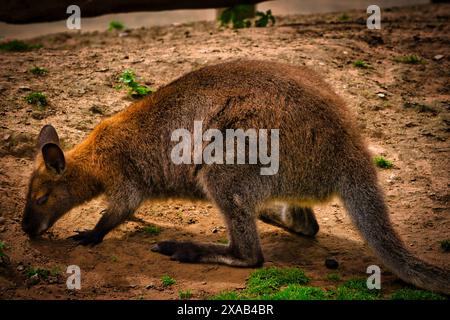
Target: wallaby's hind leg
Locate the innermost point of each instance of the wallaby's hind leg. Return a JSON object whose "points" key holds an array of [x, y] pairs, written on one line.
{"points": [[291, 217], [238, 206]]}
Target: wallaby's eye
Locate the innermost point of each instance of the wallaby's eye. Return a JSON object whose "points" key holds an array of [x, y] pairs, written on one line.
{"points": [[42, 200]]}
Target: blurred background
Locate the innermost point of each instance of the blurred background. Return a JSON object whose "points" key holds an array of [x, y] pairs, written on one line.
{"points": [[144, 19]]}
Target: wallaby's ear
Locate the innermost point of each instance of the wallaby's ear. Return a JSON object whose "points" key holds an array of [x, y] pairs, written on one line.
{"points": [[48, 142], [53, 157], [47, 135]]}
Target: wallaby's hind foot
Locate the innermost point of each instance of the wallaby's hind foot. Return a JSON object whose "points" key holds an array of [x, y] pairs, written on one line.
{"points": [[191, 252], [291, 217]]}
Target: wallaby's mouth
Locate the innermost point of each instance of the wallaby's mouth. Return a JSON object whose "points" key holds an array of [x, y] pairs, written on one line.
{"points": [[34, 231]]}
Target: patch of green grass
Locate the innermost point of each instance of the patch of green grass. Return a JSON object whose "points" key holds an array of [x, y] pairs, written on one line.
{"points": [[264, 19], [356, 289], [18, 46], [114, 258], [185, 295], [445, 245], [38, 71], [333, 277], [419, 107], [267, 280], [361, 64], [37, 98], [382, 162], [410, 59], [40, 272], [289, 284], [116, 25], [167, 281], [2, 247], [414, 294], [294, 292], [134, 88], [152, 230]]}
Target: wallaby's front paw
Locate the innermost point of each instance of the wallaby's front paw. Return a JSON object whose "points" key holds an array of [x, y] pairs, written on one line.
{"points": [[178, 251], [87, 237]]}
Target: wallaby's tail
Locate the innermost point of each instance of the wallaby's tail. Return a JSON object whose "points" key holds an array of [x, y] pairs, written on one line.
{"points": [[364, 201]]}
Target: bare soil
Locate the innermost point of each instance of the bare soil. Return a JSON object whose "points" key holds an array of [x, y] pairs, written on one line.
{"points": [[80, 86]]}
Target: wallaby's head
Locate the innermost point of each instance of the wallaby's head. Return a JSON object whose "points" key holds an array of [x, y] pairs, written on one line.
{"points": [[49, 194]]}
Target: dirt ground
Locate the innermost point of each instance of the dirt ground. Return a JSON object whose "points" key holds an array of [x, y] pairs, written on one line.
{"points": [[80, 86]]}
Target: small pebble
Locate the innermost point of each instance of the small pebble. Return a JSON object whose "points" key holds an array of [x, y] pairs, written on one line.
{"points": [[150, 286], [438, 57], [331, 263]]}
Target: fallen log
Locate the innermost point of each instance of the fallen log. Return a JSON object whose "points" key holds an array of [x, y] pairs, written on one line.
{"points": [[31, 11]]}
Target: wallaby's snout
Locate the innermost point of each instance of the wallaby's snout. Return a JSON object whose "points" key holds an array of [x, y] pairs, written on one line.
{"points": [[32, 224]]}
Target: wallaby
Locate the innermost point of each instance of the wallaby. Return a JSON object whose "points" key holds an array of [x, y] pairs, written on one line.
{"points": [[321, 155]]}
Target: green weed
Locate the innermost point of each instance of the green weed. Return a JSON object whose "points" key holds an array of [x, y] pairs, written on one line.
{"points": [[134, 88], [18, 46], [382, 162], [37, 98], [167, 281]]}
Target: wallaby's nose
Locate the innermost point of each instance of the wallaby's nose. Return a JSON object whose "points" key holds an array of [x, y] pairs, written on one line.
{"points": [[27, 226]]}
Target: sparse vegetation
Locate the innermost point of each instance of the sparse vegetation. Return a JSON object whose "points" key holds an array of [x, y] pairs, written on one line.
{"points": [[134, 88], [37, 99], [445, 245], [382, 162], [409, 59], [185, 295], [38, 71], [264, 19], [415, 294], [239, 17], [361, 64], [152, 230], [40, 272], [116, 25], [55, 271], [344, 17], [167, 281], [18, 46]]}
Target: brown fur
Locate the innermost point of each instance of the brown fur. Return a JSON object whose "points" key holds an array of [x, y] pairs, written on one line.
{"points": [[127, 157]]}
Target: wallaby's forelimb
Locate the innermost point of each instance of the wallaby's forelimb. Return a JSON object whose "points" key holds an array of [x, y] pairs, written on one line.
{"points": [[119, 209], [291, 217]]}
